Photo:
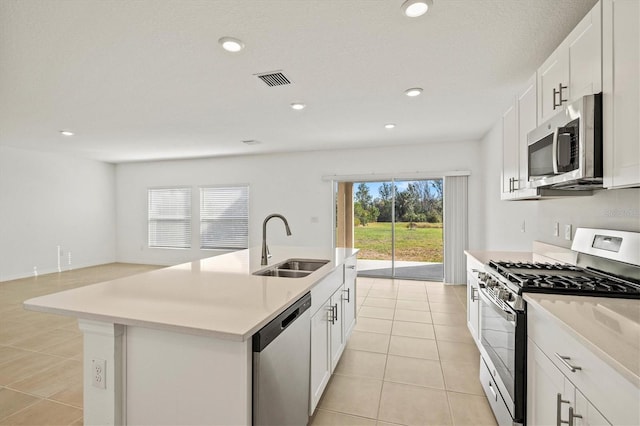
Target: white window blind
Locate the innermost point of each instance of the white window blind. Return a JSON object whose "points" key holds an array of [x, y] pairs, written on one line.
{"points": [[224, 217], [170, 217]]}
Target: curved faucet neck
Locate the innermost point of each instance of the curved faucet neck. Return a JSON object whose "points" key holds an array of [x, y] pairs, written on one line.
{"points": [[265, 249]]}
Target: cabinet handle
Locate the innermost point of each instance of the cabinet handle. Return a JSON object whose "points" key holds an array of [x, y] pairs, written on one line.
{"points": [[558, 93], [560, 99], [348, 299], [351, 266], [573, 416], [565, 361], [332, 315], [473, 295], [559, 402], [495, 395], [335, 315]]}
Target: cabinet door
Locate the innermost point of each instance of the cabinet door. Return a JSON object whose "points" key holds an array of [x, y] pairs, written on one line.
{"points": [[509, 151], [527, 121], [549, 394], [320, 354], [473, 318], [337, 332], [621, 93], [349, 297], [588, 415], [553, 73], [584, 48]]}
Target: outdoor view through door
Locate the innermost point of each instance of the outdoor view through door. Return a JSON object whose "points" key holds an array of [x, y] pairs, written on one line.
{"points": [[397, 225]]}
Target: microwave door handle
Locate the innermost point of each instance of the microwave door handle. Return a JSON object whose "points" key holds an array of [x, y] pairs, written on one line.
{"points": [[554, 151]]}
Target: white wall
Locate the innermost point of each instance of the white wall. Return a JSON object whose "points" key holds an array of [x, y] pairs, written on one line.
{"points": [[610, 209], [290, 184], [49, 200]]}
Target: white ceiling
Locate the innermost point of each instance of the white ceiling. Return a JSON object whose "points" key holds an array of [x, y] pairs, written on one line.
{"points": [[146, 79]]}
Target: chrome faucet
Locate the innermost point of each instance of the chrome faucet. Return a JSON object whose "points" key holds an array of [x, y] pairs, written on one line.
{"points": [[265, 250]]}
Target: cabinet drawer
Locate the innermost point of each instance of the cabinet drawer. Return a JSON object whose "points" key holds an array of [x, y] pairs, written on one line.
{"points": [[613, 395], [322, 291]]}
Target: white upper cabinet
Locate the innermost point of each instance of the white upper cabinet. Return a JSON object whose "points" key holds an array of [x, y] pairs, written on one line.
{"points": [[517, 121], [621, 93], [574, 69], [509, 151]]}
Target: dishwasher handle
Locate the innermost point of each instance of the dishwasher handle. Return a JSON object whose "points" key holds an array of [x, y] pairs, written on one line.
{"points": [[275, 327]]}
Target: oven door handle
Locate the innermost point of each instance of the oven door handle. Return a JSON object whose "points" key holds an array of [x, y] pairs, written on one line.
{"points": [[509, 316]]}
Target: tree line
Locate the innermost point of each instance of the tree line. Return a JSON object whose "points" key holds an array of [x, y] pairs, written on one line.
{"points": [[421, 201]]}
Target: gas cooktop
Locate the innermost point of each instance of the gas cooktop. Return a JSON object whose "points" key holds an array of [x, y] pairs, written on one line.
{"points": [[565, 279]]}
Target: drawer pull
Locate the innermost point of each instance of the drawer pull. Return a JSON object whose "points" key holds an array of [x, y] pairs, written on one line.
{"points": [[351, 266], [565, 361]]}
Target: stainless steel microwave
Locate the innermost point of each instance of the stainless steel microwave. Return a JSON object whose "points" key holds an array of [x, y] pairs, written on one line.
{"points": [[566, 151]]}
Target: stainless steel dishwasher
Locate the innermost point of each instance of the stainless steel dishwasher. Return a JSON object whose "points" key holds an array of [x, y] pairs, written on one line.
{"points": [[281, 359]]}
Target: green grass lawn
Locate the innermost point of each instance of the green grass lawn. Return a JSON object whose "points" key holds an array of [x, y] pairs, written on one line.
{"points": [[422, 243]]}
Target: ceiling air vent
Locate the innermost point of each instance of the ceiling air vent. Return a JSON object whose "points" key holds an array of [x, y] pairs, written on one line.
{"points": [[274, 78]]}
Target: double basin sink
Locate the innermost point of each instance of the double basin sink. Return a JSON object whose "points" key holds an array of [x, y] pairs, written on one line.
{"points": [[293, 268]]}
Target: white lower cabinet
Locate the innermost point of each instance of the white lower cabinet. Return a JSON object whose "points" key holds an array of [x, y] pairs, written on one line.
{"points": [[473, 303], [349, 296], [320, 357], [332, 321], [569, 384], [552, 398], [336, 321]]}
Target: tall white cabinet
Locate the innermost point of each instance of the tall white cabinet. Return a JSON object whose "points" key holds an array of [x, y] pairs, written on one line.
{"points": [[517, 122], [621, 92]]}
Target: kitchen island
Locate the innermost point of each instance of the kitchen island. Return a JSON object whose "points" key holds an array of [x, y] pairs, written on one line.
{"points": [[176, 342]]}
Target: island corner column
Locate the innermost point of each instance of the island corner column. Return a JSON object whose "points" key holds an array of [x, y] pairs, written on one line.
{"points": [[103, 342]]}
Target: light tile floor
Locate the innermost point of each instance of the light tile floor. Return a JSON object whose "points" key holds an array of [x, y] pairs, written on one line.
{"points": [[41, 354], [410, 360]]}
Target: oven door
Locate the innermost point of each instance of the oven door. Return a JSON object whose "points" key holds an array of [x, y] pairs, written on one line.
{"points": [[498, 329]]}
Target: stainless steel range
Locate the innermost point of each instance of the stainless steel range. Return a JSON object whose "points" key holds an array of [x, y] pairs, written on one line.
{"points": [[608, 265]]}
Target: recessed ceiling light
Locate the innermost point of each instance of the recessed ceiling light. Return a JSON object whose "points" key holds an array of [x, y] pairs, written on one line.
{"points": [[389, 126], [415, 8], [66, 133], [298, 106], [231, 44], [415, 91]]}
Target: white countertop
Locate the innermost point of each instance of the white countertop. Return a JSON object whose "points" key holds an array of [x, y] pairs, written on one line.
{"points": [[514, 256], [609, 327], [217, 296]]}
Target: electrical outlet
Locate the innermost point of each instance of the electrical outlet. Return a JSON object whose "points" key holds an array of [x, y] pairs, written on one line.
{"points": [[99, 369], [556, 229], [567, 232]]}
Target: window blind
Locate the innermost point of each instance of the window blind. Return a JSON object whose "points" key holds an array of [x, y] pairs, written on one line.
{"points": [[170, 217], [224, 217]]}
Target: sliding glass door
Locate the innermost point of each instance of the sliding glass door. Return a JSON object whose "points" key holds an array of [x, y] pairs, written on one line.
{"points": [[397, 225]]}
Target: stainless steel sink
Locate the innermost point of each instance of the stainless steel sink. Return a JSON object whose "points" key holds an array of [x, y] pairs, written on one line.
{"points": [[293, 268], [285, 273], [303, 264]]}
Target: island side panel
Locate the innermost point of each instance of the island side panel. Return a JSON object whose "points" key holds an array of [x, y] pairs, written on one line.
{"points": [[175, 378], [103, 342]]}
